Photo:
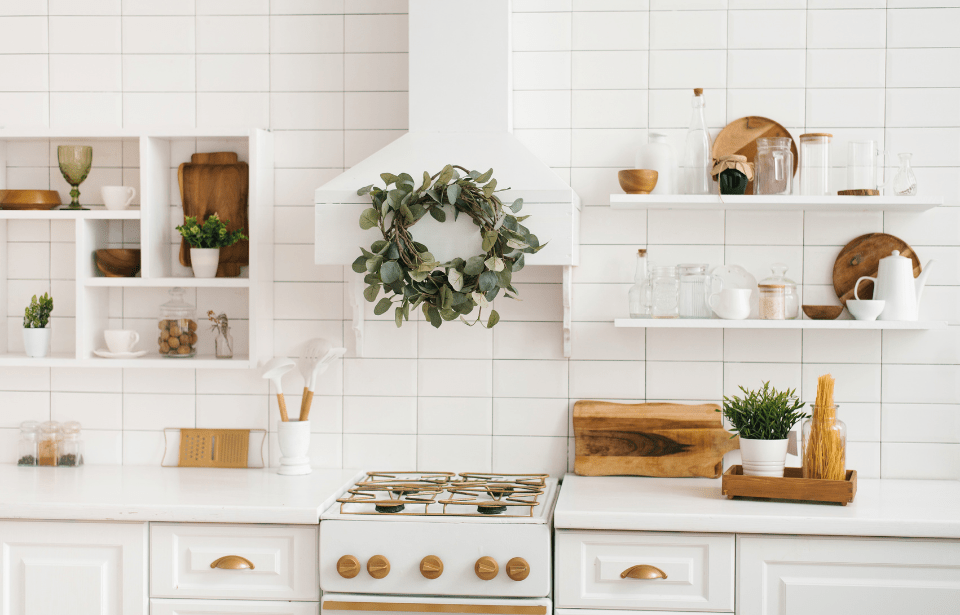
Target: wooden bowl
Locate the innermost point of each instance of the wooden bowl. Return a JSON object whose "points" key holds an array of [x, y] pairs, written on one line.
{"points": [[637, 181], [822, 312], [118, 263], [30, 199]]}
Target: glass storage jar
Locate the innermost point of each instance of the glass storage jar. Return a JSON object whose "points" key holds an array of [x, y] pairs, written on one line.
{"points": [[815, 164], [27, 446], [771, 301], [694, 290], [664, 290], [824, 437], [71, 446], [791, 297], [178, 327], [774, 166], [49, 444]]}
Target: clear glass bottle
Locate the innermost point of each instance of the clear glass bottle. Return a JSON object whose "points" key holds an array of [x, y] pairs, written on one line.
{"points": [[824, 438], [178, 327], [639, 294], [791, 296], [27, 446], [224, 343], [71, 446], [49, 444], [771, 301], [774, 166], [664, 292], [905, 181], [815, 163], [696, 155], [694, 290]]}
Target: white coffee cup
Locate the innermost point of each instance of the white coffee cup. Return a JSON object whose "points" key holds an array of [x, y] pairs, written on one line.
{"points": [[731, 303], [121, 340], [117, 197]]}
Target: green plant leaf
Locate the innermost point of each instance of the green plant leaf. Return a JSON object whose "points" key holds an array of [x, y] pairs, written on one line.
{"points": [[390, 272], [455, 278], [359, 264], [369, 218], [489, 240], [493, 319], [494, 263], [485, 177], [382, 306], [398, 316], [438, 214], [453, 192], [370, 293], [516, 206], [488, 281], [474, 265]]}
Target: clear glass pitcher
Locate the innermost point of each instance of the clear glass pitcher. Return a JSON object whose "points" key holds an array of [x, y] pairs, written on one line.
{"points": [[774, 166]]}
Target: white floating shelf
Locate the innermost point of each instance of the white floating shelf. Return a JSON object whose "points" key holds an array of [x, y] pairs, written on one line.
{"points": [[94, 213], [69, 360], [123, 133], [716, 323], [169, 282], [775, 202]]}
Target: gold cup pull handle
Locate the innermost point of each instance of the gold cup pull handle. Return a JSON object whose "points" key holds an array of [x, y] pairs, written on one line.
{"points": [[643, 571], [232, 562]]}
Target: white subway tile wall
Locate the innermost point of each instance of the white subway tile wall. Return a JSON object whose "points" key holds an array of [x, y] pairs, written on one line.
{"points": [[590, 79]]}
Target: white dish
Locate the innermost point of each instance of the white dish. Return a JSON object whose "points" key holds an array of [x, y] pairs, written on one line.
{"points": [[735, 276], [865, 309], [106, 354]]}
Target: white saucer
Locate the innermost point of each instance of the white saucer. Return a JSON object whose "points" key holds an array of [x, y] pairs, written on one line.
{"points": [[106, 354], [735, 276]]}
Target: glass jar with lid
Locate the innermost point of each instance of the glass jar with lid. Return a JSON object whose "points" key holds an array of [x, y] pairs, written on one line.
{"points": [[694, 290], [774, 166], [71, 446], [815, 164], [178, 327], [791, 297], [664, 291], [771, 301], [27, 447], [49, 444]]}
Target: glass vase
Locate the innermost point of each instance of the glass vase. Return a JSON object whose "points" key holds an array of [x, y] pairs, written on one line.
{"points": [[905, 181], [824, 451], [224, 344]]}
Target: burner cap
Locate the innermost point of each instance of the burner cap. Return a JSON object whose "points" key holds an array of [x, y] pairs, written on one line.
{"points": [[389, 508], [492, 508]]}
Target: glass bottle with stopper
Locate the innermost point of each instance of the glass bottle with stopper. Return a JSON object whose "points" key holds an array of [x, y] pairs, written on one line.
{"points": [[696, 156]]}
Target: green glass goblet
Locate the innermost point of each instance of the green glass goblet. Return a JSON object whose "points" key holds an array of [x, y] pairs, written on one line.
{"points": [[75, 163]]}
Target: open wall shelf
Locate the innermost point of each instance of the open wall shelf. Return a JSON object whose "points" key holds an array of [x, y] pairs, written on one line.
{"points": [[772, 203], [716, 323]]}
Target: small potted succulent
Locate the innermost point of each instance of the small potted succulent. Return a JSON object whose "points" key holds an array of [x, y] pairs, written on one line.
{"points": [[763, 420], [36, 334], [205, 241]]}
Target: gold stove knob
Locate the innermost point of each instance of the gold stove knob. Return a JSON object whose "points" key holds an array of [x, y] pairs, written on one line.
{"points": [[518, 569], [431, 567], [378, 566], [348, 566], [486, 568]]}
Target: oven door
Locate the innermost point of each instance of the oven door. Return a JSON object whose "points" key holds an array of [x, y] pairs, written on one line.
{"points": [[373, 604]]}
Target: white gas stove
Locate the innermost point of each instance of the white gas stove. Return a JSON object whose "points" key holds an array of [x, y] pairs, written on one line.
{"points": [[423, 541]]}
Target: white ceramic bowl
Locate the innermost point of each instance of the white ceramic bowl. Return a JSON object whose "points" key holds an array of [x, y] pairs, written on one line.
{"points": [[865, 309]]}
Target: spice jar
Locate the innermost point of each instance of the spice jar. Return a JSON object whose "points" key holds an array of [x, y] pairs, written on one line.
{"points": [[71, 446], [27, 447], [48, 446], [791, 298], [178, 327], [665, 289], [771, 301]]}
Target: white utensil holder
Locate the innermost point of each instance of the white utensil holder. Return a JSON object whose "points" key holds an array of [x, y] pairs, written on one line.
{"points": [[294, 437]]}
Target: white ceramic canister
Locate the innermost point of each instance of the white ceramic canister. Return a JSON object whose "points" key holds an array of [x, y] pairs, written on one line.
{"points": [[658, 155], [294, 439]]}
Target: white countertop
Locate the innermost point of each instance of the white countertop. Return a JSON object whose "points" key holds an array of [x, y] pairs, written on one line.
{"points": [[150, 493], [910, 508]]}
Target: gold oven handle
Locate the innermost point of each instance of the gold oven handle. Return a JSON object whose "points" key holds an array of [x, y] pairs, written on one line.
{"points": [[643, 571], [232, 562]]}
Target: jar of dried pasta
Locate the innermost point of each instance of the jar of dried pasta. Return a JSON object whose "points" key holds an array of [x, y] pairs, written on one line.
{"points": [[178, 327]]}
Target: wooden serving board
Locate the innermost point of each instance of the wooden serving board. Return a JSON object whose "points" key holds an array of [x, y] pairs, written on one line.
{"points": [[791, 486], [862, 257], [223, 189], [663, 440], [740, 137]]}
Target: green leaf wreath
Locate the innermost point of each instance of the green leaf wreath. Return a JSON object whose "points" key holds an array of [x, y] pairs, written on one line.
{"points": [[408, 273]]}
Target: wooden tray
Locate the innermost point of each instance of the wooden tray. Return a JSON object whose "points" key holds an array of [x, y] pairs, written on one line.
{"points": [[791, 487]]}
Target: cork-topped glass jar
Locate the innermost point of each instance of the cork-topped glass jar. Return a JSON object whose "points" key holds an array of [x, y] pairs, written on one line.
{"points": [[178, 327]]}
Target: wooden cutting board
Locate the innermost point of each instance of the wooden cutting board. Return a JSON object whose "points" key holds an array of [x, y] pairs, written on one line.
{"points": [[223, 189], [663, 440], [740, 137], [862, 257]]}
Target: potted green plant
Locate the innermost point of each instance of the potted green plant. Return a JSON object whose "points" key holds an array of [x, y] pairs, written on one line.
{"points": [[763, 420], [205, 241], [36, 335]]}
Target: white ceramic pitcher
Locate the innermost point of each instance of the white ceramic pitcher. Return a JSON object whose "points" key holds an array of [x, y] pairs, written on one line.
{"points": [[896, 285]]}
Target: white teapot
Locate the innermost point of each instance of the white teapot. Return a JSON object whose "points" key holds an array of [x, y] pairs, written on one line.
{"points": [[896, 285]]}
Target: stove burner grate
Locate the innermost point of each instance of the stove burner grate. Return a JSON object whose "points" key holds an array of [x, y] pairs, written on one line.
{"points": [[386, 508]]}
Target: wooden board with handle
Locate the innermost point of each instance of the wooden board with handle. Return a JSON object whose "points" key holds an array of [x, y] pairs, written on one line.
{"points": [[223, 189], [662, 440], [862, 257]]}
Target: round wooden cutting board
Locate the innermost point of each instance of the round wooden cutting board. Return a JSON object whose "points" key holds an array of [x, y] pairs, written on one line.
{"points": [[862, 257], [740, 137]]}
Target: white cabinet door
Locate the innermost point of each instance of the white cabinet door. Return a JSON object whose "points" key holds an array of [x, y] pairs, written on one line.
{"points": [[840, 576], [232, 607], [73, 567]]}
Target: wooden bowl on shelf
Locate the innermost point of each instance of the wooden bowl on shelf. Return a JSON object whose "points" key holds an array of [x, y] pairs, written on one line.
{"points": [[118, 263], [637, 181], [30, 199], [822, 312]]}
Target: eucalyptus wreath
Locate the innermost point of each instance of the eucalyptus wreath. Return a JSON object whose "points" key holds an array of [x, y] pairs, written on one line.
{"points": [[406, 271]]}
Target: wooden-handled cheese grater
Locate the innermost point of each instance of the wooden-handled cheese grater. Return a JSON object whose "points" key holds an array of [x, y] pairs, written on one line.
{"points": [[214, 448]]}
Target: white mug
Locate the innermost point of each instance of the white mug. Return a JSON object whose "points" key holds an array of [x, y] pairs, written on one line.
{"points": [[121, 340], [731, 303], [117, 197]]}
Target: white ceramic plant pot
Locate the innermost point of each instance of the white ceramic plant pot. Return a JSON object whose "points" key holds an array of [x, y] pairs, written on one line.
{"points": [[294, 439], [763, 457], [205, 262], [36, 342]]}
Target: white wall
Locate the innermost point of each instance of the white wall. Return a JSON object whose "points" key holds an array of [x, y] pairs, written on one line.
{"points": [[591, 78]]}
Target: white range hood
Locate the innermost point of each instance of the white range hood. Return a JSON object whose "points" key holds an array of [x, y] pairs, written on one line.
{"points": [[461, 112]]}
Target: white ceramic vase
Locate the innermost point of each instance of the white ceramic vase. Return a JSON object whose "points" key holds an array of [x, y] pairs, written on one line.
{"points": [[763, 457], [36, 342], [294, 437], [205, 262], [658, 155]]}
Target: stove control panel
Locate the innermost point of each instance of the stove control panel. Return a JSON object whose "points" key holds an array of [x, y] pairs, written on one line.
{"points": [[378, 566], [486, 568], [431, 567], [348, 566], [518, 569]]}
